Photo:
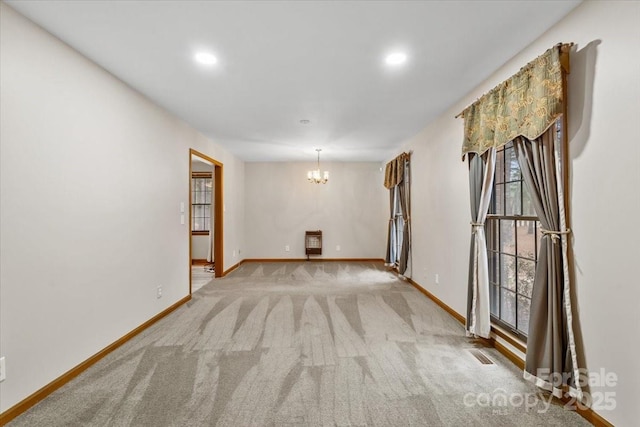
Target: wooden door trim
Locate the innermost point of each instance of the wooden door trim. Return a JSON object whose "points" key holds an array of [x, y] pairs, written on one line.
{"points": [[218, 211]]}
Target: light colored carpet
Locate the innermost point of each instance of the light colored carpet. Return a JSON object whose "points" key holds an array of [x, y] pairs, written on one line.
{"points": [[200, 276], [301, 344]]}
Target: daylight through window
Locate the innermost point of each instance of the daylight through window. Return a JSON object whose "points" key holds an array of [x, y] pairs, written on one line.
{"points": [[201, 202], [513, 239]]}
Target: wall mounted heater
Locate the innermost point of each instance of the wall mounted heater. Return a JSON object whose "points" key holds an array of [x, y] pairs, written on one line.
{"points": [[313, 243]]}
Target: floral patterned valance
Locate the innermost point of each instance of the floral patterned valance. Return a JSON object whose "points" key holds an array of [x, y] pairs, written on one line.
{"points": [[394, 172], [525, 104]]}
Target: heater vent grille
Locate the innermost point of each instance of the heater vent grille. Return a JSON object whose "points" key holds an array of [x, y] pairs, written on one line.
{"points": [[482, 358]]}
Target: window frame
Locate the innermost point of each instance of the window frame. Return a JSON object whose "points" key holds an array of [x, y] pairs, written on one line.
{"points": [[495, 253], [194, 177]]}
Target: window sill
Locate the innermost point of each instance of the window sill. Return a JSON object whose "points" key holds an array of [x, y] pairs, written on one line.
{"points": [[509, 337]]}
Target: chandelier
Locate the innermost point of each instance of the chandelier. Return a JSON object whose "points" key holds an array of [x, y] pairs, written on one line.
{"points": [[314, 175]]}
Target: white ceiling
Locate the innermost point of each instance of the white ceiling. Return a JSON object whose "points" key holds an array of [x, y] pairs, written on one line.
{"points": [[281, 62]]}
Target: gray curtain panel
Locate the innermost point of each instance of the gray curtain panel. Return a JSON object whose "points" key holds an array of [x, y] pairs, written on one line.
{"points": [[550, 344], [404, 194], [481, 174], [476, 177], [390, 257]]}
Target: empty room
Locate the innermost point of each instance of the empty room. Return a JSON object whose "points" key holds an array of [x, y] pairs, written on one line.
{"points": [[319, 213]]}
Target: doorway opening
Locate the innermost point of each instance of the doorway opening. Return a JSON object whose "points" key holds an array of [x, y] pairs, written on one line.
{"points": [[205, 220]]}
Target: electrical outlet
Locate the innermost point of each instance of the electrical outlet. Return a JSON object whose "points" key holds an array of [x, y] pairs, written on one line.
{"points": [[338, 248], [3, 369], [286, 248], [159, 292], [437, 278], [234, 254]]}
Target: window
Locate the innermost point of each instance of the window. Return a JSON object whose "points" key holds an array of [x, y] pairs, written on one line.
{"points": [[201, 189], [513, 239]]}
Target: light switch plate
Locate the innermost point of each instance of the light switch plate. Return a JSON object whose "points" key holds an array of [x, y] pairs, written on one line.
{"points": [[3, 369]]}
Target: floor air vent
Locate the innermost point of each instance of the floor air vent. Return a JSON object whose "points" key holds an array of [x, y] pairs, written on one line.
{"points": [[481, 357]]}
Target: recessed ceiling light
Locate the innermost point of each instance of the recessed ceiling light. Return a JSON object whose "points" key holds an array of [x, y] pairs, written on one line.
{"points": [[205, 58], [396, 58]]}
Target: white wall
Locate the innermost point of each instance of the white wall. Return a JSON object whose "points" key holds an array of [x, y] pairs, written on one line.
{"points": [[92, 176], [234, 212], [604, 113], [281, 205], [200, 247]]}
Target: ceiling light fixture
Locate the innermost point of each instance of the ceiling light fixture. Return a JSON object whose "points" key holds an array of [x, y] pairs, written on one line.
{"points": [[314, 175], [396, 58], [205, 58]]}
